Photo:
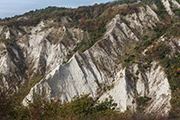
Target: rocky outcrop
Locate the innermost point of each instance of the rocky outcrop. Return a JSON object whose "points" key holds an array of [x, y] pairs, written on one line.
{"points": [[37, 52], [131, 83], [44, 50], [99, 72]]}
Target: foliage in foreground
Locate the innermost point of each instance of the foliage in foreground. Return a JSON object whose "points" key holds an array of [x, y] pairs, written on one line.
{"points": [[84, 107]]}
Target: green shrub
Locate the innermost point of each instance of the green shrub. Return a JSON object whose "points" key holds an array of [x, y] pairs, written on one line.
{"points": [[142, 103]]}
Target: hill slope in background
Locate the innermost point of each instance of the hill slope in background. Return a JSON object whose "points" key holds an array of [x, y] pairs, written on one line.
{"points": [[130, 51]]}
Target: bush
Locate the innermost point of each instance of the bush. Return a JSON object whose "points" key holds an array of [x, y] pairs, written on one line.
{"points": [[142, 102], [41, 108]]}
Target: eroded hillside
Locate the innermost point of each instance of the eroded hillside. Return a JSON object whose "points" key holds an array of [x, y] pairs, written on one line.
{"points": [[123, 50]]}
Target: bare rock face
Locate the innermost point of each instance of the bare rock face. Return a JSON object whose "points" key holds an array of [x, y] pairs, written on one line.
{"points": [[152, 83], [36, 53], [169, 4], [97, 71], [44, 50]]}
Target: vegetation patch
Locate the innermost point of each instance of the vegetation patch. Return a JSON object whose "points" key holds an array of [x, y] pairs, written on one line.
{"points": [[142, 103]]}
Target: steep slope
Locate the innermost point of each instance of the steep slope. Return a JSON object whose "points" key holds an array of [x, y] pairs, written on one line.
{"points": [[99, 72], [37, 52], [126, 61], [47, 48], [152, 83]]}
